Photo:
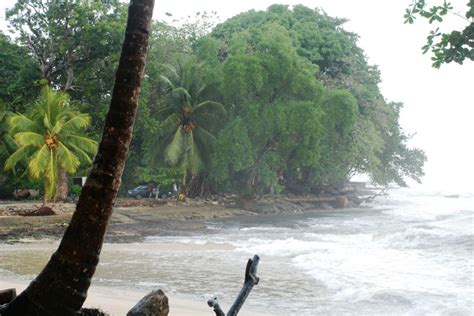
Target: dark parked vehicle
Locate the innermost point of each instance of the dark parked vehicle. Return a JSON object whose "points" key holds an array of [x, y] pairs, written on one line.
{"points": [[140, 192], [165, 192]]}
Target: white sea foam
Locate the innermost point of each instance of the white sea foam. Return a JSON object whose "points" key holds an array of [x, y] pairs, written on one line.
{"points": [[264, 229], [412, 254]]}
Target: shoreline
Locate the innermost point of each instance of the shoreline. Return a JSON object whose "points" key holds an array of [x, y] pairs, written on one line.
{"points": [[307, 256], [133, 220], [22, 262]]}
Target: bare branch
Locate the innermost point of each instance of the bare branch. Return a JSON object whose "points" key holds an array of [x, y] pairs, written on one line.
{"points": [[251, 279], [214, 304]]}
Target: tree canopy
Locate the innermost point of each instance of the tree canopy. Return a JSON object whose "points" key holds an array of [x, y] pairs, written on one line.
{"points": [[281, 100], [50, 137]]}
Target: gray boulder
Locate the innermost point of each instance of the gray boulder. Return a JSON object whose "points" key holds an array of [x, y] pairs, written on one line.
{"points": [[153, 304]]}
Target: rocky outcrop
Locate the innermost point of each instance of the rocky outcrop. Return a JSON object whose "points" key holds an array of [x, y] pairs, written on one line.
{"points": [[153, 304]]}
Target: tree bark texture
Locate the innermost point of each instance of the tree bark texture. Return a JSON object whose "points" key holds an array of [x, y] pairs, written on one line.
{"points": [[6, 296], [62, 186], [61, 288]]}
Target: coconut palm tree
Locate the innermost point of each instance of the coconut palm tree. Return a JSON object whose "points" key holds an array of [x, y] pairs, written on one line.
{"points": [[184, 138], [61, 287], [50, 138]]}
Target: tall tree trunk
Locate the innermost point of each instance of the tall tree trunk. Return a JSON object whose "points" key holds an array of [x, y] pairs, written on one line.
{"points": [[45, 197], [61, 288], [183, 189], [62, 186], [69, 76]]}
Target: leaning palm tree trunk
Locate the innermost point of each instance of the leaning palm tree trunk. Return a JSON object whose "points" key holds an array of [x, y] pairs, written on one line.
{"points": [[61, 288]]}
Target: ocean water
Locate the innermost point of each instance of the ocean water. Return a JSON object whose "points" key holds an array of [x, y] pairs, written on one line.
{"points": [[411, 253]]}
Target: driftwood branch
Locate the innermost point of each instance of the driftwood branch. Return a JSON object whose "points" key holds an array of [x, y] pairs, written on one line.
{"points": [[251, 279], [382, 192], [214, 304]]}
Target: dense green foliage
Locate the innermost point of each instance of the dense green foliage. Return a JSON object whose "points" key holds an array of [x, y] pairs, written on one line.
{"points": [[18, 74], [182, 138], [75, 46], [457, 45], [274, 101], [50, 137], [275, 60]]}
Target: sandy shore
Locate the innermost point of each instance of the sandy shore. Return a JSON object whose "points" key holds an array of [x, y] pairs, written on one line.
{"points": [[20, 262], [117, 302], [132, 221]]}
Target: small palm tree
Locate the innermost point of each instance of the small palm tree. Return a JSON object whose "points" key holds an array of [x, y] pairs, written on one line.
{"points": [[184, 139], [50, 138]]}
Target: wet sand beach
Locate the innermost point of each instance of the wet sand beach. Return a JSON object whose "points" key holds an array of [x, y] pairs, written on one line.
{"points": [[20, 262], [117, 302], [140, 253]]}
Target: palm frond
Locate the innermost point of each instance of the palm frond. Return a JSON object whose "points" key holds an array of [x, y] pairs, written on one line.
{"points": [[184, 157], [184, 149], [75, 123], [180, 71], [18, 122], [38, 162], [165, 133], [196, 164], [181, 94], [51, 104], [169, 125], [205, 143], [18, 155], [190, 159], [67, 159], [29, 138], [82, 155], [201, 89], [58, 126], [204, 137], [170, 71], [165, 110], [167, 82], [7, 146], [47, 122], [209, 107], [176, 147], [86, 144]]}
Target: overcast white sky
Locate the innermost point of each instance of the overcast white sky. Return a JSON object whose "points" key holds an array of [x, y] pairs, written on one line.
{"points": [[439, 104]]}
